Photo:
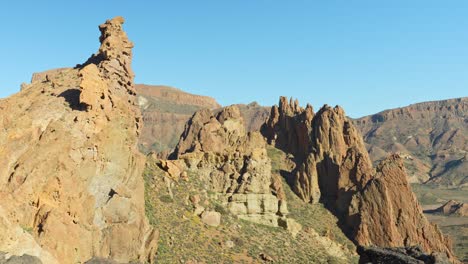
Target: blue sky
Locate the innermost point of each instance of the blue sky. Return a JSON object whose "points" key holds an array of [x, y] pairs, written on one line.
{"points": [[366, 56]]}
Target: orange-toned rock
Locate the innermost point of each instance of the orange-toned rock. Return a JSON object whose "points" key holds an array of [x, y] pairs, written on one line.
{"points": [[436, 130], [73, 177], [387, 214], [94, 91], [333, 166]]}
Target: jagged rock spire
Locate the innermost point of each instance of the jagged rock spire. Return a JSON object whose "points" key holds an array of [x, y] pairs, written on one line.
{"points": [[333, 166]]}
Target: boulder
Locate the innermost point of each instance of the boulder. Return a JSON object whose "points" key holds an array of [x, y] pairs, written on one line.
{"points": [[211, 218]]}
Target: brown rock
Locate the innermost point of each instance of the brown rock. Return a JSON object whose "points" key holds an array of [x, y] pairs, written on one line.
{"points": [[165, 111], [74, 176], [386, 213], [332, 164], [437, 129], [325, 146]]}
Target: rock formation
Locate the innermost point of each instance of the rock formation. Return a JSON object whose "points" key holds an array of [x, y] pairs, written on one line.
{"points": [[452, 208], [431, 136], [333, 166], [403, 255], [71, 185], [234, 163], [386, 213], [165, 111], [331, 157]]}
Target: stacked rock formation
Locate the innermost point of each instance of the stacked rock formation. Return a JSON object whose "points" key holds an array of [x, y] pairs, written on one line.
{"points": [[333, 166], [71, 185], [234, 164]]}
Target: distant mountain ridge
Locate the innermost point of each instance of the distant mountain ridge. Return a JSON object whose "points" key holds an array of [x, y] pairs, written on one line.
{"points": [[166, 109], [432, 136]]}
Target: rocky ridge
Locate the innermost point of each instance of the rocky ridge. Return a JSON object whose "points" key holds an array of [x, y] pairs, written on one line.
{"points": [[431, 136], [165, 111], [72, 186], [333, 167]]}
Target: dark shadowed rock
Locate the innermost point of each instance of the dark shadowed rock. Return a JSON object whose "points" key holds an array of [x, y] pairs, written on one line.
{"points": [[24, 259], [401, 255]]}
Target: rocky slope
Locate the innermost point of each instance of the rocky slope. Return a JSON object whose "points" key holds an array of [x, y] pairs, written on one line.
{"points": [[165, 111], [71, 185], [431, 136], [235, 165], [226, 175], [332, 166]]}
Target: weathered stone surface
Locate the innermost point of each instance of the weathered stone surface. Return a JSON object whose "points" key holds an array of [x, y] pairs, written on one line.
{"points": [[234, 164], [432, 136], [72, 174], [387, 214], [333, 166], [288, 127], [211, 218], [165, 111], [325, 145]]}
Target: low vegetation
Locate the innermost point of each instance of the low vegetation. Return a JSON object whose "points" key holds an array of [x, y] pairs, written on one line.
{"points": [[184, 238]]}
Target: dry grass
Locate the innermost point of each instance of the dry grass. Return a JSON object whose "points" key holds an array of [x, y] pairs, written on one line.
{"points": [[185, 238]]}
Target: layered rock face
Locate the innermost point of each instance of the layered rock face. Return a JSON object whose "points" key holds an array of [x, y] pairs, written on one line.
{"points": [[165, 111], [432, 137], [386, 213], [71, 185], [234, 163], [330, 155], [333, 166]]}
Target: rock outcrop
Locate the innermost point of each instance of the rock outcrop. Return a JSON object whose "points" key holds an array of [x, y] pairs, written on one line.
{"points": [[432, 136], [331, 158], [71, 185], [452, 208], [333, 167], [400, 255], [165, 111], [234, 163], [386, 213]]}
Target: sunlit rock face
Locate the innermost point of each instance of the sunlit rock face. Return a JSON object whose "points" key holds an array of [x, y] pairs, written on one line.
{"points": [[71, 173]]}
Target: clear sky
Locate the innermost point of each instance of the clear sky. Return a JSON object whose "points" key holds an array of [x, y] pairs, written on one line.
{"points": [[364, 55]]}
